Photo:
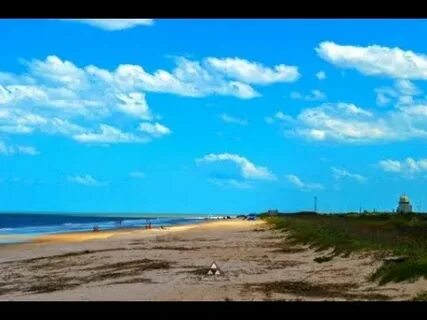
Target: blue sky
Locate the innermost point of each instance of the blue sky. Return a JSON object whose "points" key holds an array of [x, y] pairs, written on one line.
{"points": [[204, 116]]}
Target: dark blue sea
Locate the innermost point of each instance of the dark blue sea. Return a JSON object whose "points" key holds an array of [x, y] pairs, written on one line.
{"points": [[23, 227]]}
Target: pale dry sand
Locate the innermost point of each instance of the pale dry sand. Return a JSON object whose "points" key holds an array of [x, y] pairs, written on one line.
{"points": [[255, 263]]}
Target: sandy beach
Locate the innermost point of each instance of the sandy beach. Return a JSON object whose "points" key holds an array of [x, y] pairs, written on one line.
{"points": [[255, 263]]}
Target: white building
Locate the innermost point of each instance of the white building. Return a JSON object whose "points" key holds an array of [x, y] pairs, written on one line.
{"points": [[404, 205]]}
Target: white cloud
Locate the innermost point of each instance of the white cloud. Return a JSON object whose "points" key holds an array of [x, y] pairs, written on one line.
{"points": [[16, 129], [17, 121], [344, 174], [10, 78], [86, 180], [60, 83], [321, 75], [385, 95], [279, 116], [390, 165], [134, 103], [59, 72], [407, 167], [229, 119], [352, 109], [189, 78], [314, 95], [253, 72], [56, 96], [9, 150], [233, 183], [248, 170], [109, 135], [155, 130], [349, 123], [137, 174], [406, 100], [59, 92], [402, 93], [345, 122], [376, 60], [406, 87], [114, 24], [304, 186]]}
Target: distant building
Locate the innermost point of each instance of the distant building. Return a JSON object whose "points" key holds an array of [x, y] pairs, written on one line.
{"points": [[404, 205], [272, 212]]}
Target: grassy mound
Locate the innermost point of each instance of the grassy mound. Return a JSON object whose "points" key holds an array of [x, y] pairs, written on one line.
{"points": [[387, 234]]}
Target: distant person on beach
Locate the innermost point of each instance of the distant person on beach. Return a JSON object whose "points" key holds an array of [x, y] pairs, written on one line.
{"points": [[95, 228]]}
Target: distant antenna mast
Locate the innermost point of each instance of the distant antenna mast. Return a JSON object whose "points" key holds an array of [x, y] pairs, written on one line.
{"points": [[315, 203]]}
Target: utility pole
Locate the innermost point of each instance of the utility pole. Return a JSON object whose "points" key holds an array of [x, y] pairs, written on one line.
{"points": [[315, 204]]}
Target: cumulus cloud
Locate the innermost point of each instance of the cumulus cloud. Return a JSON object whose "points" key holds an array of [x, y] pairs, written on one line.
{"points": [[279, 116], [107, 135], [348, 123], [189, 78], [344, 174], [230, 119], [9, 150], [406, 87], [154, 129], [114, 24], [86, 180], [344, 122], [57, 71], [385, 95], [56, 96], [253, 72], [314, 95], [407, 167], [403, 92], [18, 121], [59, 94], [390, 165], [248, 169], [304, 186], [376, 60], [134, 103], [321, 75]]}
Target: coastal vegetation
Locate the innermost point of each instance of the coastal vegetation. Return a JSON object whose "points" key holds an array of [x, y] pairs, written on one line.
{"points": [[399, 240]]}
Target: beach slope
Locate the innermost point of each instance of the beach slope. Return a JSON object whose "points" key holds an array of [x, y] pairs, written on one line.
{"points": [[254, 261]]}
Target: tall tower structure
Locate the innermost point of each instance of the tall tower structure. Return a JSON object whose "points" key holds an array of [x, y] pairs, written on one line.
{"points": [[404, 204]]}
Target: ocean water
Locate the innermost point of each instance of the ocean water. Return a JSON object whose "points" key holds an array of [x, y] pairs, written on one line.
{"points": [[16, 228]]}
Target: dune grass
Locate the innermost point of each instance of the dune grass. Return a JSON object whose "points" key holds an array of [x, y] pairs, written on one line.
{"points": [[386, 234], [422, 296]]}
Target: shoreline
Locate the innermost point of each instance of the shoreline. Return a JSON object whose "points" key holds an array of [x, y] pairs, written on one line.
{"points": [[81, 236], [77, 236]]}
